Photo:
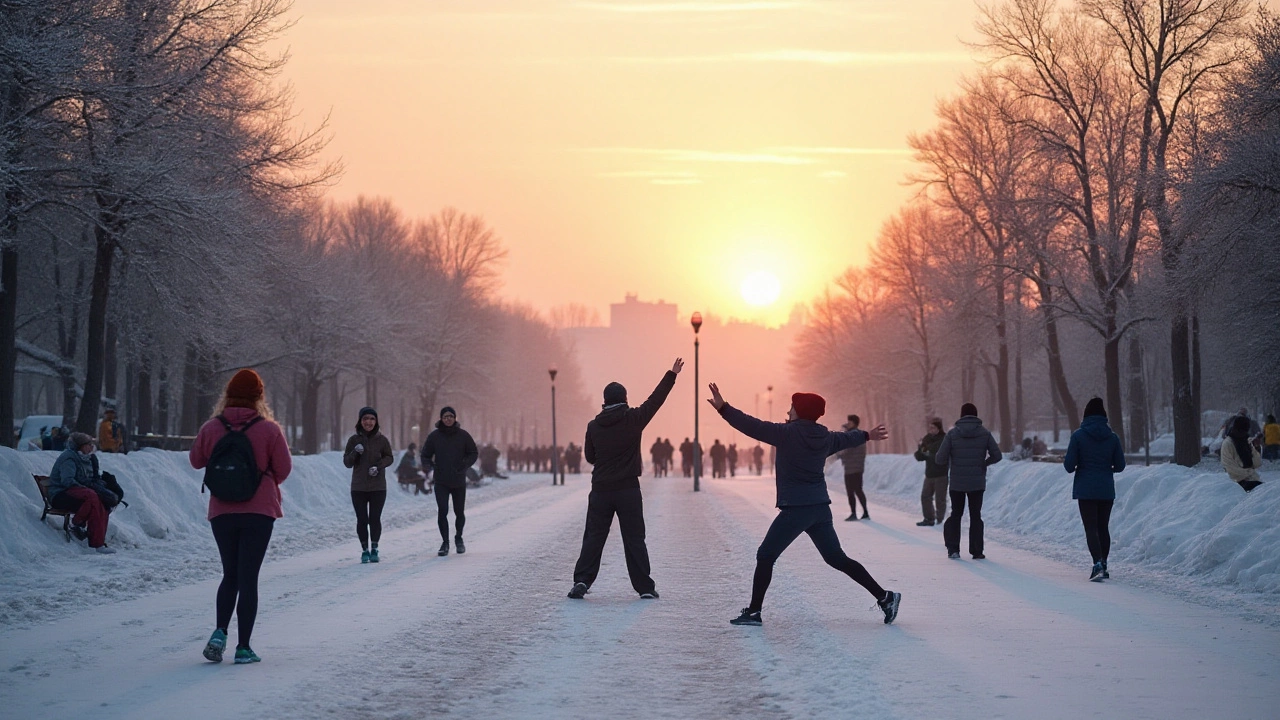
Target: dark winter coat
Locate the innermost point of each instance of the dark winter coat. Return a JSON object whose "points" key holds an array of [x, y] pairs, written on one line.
{"points": [[967, 450], [928, 452], [854, 459], [1094, 455], [613, 440], [803, 449], [449, 451], [75, 469], [377, 453]]}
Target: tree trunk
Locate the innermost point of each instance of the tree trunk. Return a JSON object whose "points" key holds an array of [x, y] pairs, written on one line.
{"points": [[1186, 417], [96, 345], [310, 415], [1002, 370], [162, 401], [109, 365], [1137, 397], [1057, 375], [335, 413], [1111, 364], [190, 391], [143, 411], [8, 331]]}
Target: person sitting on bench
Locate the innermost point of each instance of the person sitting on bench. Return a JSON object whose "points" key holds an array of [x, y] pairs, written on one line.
{"points": [[75, 485]]}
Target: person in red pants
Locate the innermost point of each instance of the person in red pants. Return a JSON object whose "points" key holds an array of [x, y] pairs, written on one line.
{"points": [[76, 485]]}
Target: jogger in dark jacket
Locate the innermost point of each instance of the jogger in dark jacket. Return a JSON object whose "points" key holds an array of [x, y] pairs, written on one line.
{"points": [[803, 503], [1095, 456], [613, 448], [449, 451]]}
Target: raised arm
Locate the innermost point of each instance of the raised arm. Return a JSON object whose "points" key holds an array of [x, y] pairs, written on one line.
{"points": [[650, 406]]}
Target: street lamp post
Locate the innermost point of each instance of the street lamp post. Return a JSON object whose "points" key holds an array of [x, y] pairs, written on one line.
{"points": [[555, 450], [770, 389], [696, 322]]}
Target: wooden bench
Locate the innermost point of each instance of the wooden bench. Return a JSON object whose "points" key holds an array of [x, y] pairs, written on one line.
{"points": [[42, 482]]}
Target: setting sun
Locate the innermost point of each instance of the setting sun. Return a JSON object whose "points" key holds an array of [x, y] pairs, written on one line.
{"points": [[761, 288]]}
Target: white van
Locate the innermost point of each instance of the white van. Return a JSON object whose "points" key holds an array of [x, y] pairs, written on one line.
{"points": [[29, 434]]}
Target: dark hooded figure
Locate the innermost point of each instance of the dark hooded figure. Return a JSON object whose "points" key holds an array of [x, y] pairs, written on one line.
{"points": [[613, 449], [804, 507], [368, 454], [449, 451], [1239, 457], [1095, 456]]}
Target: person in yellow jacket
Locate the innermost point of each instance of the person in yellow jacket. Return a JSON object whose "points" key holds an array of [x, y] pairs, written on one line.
{"points": [[110, 433], [1271, 439]]}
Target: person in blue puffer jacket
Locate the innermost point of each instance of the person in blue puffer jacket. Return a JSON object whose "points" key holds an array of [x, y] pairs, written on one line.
{"points": [[1095, 455]]}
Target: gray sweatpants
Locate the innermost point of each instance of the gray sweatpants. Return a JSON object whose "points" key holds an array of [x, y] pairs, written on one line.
{"points": [[934, 494]]}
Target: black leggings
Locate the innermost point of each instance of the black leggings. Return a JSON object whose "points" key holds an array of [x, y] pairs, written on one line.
{"points": [[459, 495], [242, 543], [368, 505], [815, 520], [853, 488], [951, 528], [1096, 516]]}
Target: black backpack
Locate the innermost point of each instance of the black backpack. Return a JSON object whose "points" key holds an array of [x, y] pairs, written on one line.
{"points": [[232, 473]]}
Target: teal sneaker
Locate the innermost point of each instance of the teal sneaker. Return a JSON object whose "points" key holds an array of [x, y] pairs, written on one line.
{"points": [[364, 557], [217, 643], [373, 555], [246, 655]]}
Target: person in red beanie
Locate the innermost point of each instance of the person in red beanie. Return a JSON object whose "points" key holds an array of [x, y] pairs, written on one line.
{"points": [[242, 529], [803, 503]]}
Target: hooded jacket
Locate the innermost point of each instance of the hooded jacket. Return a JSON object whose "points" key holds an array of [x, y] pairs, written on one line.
{"points": [[1235, 468], [449, 451], [612, 445], [1094, 455], [803, 449], [74, 469], [967, 450], [377, 453]]}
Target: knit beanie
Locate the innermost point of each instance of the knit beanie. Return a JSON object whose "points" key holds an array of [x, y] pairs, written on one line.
{"points": [[79, 440], [451, 411], [1094, 407], [614, 393], [968, 409], [367, 411], [808, 406], [244, 389]]}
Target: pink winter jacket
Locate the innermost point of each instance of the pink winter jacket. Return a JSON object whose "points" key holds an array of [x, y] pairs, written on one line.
{"points": [[270, 450]]}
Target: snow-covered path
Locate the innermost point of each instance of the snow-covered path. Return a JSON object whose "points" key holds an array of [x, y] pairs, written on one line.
{"points": [[491, 634]]}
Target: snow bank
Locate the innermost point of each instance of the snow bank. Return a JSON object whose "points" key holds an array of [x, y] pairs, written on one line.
{"points": [[163, 536], [1188, 522]]}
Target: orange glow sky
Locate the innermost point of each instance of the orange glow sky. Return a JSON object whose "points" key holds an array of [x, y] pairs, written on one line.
{"points": [[668, 148]]}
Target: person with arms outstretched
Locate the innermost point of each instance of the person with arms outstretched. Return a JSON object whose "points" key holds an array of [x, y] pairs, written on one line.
{"points": [[804, 506], [613, 449]]}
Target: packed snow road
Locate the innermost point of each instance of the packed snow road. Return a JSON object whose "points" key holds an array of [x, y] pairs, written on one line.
{"points": [[491, 634]]}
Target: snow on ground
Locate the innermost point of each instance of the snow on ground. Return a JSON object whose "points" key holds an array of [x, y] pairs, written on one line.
{"points": [[490, 633]]}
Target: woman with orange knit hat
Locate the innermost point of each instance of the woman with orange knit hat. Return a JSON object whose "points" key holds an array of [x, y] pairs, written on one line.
{"points": [[803, 503], [246, 457]]}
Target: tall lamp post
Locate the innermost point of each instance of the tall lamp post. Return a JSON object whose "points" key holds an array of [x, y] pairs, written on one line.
{"points": [[696, 322], [556, 470]]}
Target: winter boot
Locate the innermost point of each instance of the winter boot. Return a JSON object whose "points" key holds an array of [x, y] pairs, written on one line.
{"points": [[865, 514], [889, 604], [748, 617], [217, 643], [953, 554], [444, 549], [852, 516], [461, 546], [373, 554], [1096, 573], [925, 523], [651, 595], [245, 655], [1105, 574], [364, 557], [579, 591]]}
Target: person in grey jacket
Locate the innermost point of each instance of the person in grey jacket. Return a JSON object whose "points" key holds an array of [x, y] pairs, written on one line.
{"points": [[967, 450], [854, 460], [804, 506], [368, 454], [75, 485]]}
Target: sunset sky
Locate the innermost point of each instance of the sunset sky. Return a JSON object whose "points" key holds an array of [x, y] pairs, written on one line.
{"points": [[666, 148]]}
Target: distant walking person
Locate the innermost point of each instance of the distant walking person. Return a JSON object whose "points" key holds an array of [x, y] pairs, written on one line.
{"points": [[110, 433], [854, 460], [967, 450], [803, 503], [733, 460], [1095, 456], [1239, 457], [1271, 439], [613, 449], [933, 496], [368, 454], [757, 459], [241, 434], [719, 455], [449, 451]]}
